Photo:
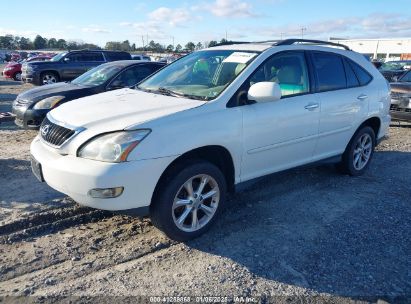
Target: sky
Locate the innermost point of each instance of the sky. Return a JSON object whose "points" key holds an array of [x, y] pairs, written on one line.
{"points": [[99, 21]]}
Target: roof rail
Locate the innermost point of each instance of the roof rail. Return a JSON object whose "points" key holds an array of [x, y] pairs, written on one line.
{"points": [[230, 43], [318, 42]]}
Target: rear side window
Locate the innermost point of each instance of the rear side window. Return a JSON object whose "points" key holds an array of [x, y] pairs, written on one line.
{"points": [[362, 75], [330, 71], [113, 56], [92, 57]]}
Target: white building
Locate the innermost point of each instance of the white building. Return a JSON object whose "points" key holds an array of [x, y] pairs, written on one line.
{"points": [[385, 49]]}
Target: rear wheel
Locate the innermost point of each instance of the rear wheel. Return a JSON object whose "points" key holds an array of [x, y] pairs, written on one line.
{"points": [[49, 78], [189, 200], [17, 76], [358, 154]]}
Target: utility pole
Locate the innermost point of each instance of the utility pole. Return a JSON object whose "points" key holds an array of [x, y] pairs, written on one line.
{"points": [[226, 36], [173, 42], [302, 32], [282, 34]]}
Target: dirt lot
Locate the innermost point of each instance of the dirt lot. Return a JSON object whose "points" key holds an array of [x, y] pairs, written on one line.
{"points": [[306, 232]]}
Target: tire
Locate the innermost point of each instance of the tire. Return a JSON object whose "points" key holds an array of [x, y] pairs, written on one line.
{"points": [[48, 78], [17, 76], [359, 152], [173, 200]]}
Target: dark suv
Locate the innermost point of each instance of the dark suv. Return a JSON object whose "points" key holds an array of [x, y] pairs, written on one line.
{"points": [[68, 65]]}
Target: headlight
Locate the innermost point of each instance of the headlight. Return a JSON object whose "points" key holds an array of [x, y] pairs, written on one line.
{"points": [[113, 147], [8, 68], [48, 103], [29, 69]]}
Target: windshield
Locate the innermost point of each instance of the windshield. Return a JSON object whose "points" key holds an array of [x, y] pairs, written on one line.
{"points": [[406, 77], [97, 76], [393, 65], [58, 56], [200, 75]]}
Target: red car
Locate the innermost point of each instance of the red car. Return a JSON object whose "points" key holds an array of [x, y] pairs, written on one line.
{"points": [[13, 69]]}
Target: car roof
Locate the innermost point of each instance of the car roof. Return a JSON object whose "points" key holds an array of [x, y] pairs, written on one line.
{"points": [[126, 63]]}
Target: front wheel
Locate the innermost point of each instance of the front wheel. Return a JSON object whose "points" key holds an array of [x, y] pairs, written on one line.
{"points": [[189, 200], [358, 154], [49, 78], [17, 76]]}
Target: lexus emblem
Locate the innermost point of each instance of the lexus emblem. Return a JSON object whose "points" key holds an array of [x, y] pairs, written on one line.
{"points": [[44, 130]]}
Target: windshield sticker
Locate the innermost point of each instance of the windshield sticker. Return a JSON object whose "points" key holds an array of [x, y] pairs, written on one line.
{"points": [[240, 57]]}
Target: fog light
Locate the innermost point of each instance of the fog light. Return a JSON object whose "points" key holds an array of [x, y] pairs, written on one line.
{"points": [[106, 192]]}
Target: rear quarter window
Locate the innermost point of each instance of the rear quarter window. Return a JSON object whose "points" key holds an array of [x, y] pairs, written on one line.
{"points": [[113, 56], [363, 76]]}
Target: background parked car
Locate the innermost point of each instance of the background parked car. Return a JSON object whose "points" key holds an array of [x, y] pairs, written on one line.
{"points": [[390, 69], [13, 69], [401, 98], [68, 65], [32, 106]]}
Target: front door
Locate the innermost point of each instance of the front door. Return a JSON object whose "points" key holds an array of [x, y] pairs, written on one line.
{"points": [[280, 134]]}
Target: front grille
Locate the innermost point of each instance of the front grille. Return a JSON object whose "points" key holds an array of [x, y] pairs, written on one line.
{"points": [[396, 95], [21, 102], [396, 108], [54, 134]]}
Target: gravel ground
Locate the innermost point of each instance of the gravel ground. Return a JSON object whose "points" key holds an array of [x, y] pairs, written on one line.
{"points": [[306, 234]]}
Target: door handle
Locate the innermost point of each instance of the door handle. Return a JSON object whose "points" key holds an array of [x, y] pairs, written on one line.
{"points": [[312, 106], [362, 97]]}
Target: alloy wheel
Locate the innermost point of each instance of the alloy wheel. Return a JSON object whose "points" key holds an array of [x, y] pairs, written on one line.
{"points": [[196, 203], [362, 151], [49, 79]]}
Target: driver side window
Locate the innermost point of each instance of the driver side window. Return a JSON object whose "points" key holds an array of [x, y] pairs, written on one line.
{"points": [[289, 70]]}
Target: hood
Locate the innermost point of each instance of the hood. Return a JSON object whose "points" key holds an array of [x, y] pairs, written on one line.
{"points": [[403, 87], [116, 110], [12, 64], [60, 88], [39, 63]]}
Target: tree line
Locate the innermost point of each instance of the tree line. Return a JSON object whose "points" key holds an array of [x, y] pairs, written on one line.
{"points": [[11, 42]]}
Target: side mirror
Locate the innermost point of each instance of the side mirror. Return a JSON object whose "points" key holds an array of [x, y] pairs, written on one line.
{"points": [[395, 79], [66, 59], [264, 92]]}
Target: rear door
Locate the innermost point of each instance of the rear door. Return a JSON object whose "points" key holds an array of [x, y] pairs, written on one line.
{"points": [[91, 60], [344, 102], [73, 66]]}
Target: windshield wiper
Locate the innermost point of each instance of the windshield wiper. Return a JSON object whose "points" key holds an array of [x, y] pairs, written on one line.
{"points": [[169, 92]]}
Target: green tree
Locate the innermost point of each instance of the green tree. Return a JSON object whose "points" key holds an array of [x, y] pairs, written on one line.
{"points": [[179, 48], [6, 42], [212, 43], [52, 43], [190, 46], [199, 46], [39, 42], [125, 46], [61, 44], [170, 48], [25, 43]]}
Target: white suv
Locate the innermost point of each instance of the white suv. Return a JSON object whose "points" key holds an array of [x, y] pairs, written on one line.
{"points": [[173, 146]]}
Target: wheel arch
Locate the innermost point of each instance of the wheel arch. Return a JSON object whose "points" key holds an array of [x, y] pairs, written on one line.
{"points": [[215, 154], [55, 72], [373, 122]]}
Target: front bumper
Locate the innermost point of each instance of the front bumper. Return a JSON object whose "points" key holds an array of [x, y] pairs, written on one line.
{"points": [[33, 78], [75, 176], [28, 118], [401, 109]]}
